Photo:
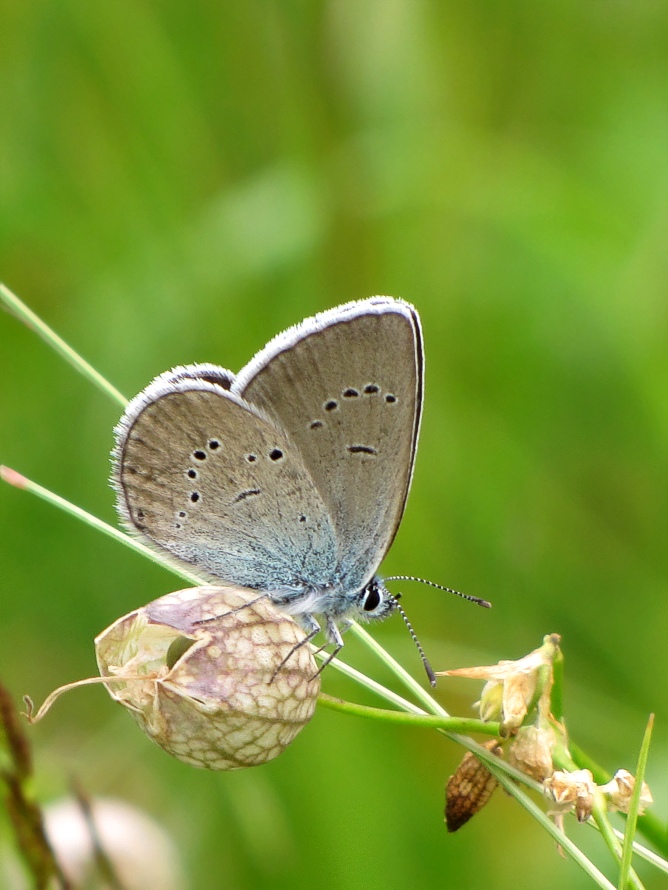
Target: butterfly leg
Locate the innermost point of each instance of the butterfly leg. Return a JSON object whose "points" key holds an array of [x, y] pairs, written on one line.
{"points": [[334, 638], [312, 628]]}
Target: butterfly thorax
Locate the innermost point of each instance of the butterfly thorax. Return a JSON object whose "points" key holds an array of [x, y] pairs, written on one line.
{"points": [[336, 602]]}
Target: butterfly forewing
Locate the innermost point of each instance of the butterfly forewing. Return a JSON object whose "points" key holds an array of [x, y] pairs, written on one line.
{"points": [[347, 388], [214, 483]]}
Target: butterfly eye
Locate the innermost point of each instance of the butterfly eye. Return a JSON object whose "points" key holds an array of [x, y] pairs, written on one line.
{"points": [[372, 599]]}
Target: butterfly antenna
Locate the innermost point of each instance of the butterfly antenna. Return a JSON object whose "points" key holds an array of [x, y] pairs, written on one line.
{"points": [[465, 596], [428, 668]]}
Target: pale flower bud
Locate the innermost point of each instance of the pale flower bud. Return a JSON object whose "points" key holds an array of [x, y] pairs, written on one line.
{"points": [[572, 791], [619, 790], [531, 752], [201, 670], [490, 706]]}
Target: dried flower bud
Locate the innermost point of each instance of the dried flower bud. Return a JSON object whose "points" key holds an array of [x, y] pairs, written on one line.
{"points": [[516, 683], [199, 671], [572, 791], [469, 788], [531, 752], [619, 790]]}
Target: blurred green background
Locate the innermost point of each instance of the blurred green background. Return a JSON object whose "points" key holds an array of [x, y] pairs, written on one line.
{"points": [[182, 181]]}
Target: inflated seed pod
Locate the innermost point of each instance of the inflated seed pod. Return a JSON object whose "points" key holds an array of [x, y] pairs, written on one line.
{"points": [[201, 670]]}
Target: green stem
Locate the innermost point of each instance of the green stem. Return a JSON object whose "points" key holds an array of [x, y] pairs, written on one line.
{"points": [[453, 724], [644, 853], [632, 820], [649, 824], [562, 840], [584, 761], [400, 672], [19, 481], [557, 696], [18, 308], [602, 822], [373, 685]]}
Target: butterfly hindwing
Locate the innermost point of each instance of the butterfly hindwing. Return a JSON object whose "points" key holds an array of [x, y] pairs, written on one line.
{"points": [[213, 482]]}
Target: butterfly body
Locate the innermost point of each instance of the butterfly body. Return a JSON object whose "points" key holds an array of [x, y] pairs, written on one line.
{"points": [[289, 478]]}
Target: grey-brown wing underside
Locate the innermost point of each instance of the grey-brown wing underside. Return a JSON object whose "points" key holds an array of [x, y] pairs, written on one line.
{"points": [[216, 484], [347, 388]]}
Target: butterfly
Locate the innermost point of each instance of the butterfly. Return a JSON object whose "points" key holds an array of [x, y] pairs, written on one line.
{"points": [[290, 477]]}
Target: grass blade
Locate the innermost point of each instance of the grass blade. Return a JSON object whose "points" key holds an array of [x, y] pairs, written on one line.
{"points": [[632, 819], [18, 308]]}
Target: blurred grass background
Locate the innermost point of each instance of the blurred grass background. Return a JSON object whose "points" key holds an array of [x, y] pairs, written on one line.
{"points": [[182, 181]]}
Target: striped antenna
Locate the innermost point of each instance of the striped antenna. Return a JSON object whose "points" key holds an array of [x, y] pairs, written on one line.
{"points": [[465, 596], [428, 668]]}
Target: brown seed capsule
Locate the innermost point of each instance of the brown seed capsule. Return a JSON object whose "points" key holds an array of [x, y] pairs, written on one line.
{"points": [[199, 671], [469, 788]]}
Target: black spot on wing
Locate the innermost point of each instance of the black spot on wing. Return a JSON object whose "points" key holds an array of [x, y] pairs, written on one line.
{"points": [[250, 492], [362, 449]]}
